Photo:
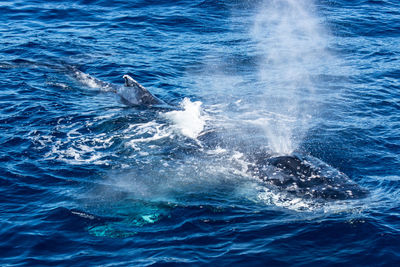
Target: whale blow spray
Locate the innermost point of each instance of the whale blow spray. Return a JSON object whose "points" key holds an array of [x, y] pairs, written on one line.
{"points": [[290, 45]]}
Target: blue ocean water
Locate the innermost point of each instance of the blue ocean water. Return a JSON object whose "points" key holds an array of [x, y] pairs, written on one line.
{"points": [[87, 180]]}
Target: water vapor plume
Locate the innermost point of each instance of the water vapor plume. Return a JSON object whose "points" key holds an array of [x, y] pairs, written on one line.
{"points": [[290, 44]]}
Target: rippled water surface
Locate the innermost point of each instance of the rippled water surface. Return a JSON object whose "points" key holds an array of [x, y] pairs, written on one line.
{"points": [[88, 180]]}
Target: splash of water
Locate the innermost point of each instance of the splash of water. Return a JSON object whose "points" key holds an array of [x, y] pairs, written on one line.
{"points": [[189, 121], [290, 41]]}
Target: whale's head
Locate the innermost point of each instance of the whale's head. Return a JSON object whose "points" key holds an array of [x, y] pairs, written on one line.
{"points": [[307, 177]]}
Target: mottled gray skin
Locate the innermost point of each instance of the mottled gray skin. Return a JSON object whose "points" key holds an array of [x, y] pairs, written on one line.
{"points": [[135, 94], [306, 177]]}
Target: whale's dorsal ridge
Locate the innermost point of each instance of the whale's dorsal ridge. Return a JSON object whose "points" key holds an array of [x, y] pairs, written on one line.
{"points": [[130, 82], [134, 93]]}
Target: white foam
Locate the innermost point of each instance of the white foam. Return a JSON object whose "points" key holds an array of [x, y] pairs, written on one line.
{"points": [[148, 132], [282, 200], [76, 148], [217, 151], [190, 121], [60, 85]]}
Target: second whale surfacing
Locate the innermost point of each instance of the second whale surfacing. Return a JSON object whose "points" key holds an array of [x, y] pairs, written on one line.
{"points": [[306, 177], [132, 93]]}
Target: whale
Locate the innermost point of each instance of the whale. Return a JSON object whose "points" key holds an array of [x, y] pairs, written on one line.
{"points": [[131, 92], [297, 174], [306, 177]]}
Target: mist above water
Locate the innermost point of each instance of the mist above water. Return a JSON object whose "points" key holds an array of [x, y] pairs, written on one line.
{"points": [[290, 45]]}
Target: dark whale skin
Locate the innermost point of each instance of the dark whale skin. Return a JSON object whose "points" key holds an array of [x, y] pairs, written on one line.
{"points": [[306, 177]]}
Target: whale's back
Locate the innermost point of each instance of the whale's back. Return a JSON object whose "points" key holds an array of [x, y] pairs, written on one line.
{"points": [[307, 177]]}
